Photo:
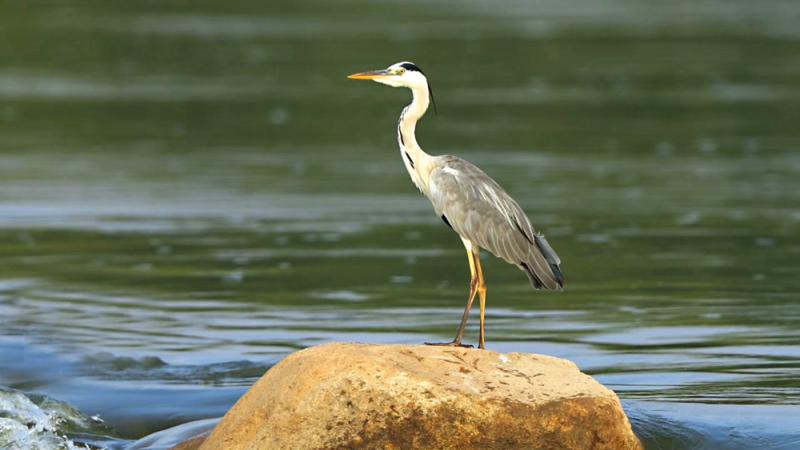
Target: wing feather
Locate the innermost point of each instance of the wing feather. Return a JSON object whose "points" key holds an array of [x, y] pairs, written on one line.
{"points": [[480, 210]]}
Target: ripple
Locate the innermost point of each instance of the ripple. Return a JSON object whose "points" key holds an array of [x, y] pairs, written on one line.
{"points": [[33, 86], [663, 425], [664, 335]]}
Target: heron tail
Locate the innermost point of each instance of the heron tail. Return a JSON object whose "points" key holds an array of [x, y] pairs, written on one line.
{"points": [[543, 266]]}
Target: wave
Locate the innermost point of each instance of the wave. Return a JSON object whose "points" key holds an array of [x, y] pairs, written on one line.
{"points": [[30, 421]]}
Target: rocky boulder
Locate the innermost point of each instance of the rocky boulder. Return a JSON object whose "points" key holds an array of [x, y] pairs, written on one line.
{"points": [[354, 396]]}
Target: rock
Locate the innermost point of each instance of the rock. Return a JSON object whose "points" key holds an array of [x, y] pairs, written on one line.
{"points": [[354, 396], [191, 444]]}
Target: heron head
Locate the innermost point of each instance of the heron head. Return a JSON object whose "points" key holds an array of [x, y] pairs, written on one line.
{"points": [[402, 74]]}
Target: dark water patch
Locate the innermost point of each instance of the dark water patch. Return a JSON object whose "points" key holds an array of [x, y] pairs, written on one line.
{"points": [[106, 366]]}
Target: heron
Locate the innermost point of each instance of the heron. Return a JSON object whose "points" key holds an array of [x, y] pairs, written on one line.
{"points": [[468, 201]]}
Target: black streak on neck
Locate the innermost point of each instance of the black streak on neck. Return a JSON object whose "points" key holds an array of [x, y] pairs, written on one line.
{"points": [[408, 157]]}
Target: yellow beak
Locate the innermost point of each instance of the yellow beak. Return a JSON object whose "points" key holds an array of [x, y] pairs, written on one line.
{"points": [[371, 75]]}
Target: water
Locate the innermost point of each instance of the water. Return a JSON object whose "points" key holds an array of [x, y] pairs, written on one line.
{"points": [[189, 193]]}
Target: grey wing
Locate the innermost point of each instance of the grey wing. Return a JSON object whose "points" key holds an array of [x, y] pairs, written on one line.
{"points": [[478, 209]]}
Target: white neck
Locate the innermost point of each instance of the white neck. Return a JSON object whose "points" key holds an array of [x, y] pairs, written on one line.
{"points": [[411, 115], [416, 160]]}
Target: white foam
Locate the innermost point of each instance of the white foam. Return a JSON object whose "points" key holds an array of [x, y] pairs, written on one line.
{"points": [[25, 425]]}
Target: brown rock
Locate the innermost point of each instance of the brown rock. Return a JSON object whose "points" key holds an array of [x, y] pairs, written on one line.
{"points": [[191, 444], [353, 396]]}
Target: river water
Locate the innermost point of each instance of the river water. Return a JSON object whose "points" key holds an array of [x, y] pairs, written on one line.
{"points": [[188, 193]]}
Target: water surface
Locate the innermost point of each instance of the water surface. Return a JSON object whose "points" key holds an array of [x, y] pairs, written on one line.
{"points": [[190, 193]]}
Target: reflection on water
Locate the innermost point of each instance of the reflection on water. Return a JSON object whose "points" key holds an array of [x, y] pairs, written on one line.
{"points": [[189, 194]]}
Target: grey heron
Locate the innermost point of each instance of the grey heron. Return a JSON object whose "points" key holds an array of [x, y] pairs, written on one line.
{"points": [[468, 201]]}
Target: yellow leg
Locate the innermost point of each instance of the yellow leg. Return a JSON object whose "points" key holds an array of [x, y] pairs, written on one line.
{"points": [[471, 259], [482, 291], [473, 289]]}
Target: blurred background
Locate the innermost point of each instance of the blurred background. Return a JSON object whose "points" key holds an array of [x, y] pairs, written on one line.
{"points": [[189, 191]]}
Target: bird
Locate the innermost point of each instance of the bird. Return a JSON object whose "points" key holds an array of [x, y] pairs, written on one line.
{"points": [[468, 200]]}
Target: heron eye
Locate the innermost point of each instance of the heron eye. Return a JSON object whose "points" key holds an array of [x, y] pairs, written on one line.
{"points": [[401, 71]]}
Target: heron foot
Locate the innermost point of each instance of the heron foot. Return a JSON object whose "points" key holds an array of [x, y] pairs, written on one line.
{"points": [[450, 344]]}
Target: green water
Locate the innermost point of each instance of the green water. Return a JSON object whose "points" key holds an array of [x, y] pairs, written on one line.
{"points": [[190, 191]]}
